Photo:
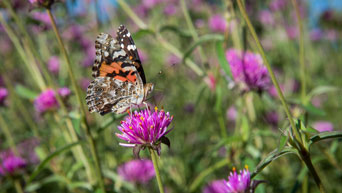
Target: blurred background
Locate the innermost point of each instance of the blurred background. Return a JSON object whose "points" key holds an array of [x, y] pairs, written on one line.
{"points": [[189, 49]]}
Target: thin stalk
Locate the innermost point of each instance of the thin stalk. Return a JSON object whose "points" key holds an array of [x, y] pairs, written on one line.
{"points": [[17, 186], [230, 17], [8, 134], [301, 52], [131, 14], [192, 28], [156, 169], [83, 111], [274, 80], [250, 107], [305, 156], [32, 69]]}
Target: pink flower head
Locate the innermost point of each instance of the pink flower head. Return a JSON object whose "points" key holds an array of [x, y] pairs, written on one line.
{"points": [[53, 64], [323, 126], [46, 101], [210, 81], [43, 18], [137, 171], [3, 95], [145, 129], [217, 23], [239, 183], [266, 17], [149, 4], [232, 113], [64, 92], [316, 34], [170, 9], [277, 5], [11, 164], [292, 32], [173, 60], [248, 70], [217, 186]]}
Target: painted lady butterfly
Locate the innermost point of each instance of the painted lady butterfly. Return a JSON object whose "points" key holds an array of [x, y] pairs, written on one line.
{"points": [[119, 76]]}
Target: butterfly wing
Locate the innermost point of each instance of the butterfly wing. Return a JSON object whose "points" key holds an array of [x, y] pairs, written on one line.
{"points": [[106, 94], [126, 42]]}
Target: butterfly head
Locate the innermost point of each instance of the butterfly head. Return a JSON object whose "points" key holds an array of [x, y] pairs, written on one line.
{"points": [[148, 88]]}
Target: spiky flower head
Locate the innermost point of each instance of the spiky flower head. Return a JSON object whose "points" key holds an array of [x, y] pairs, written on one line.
{"points": [[11, 164], [239, 183], [146, 128], [248, 70], [137, 171]]}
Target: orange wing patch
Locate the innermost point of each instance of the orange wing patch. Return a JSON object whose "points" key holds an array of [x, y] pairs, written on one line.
{"points": [[117, 72]]}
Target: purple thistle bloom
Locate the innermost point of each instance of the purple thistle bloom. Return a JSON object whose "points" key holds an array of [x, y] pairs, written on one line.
{"points": [[248, 70], [137, 171], [323, 126], [239, 183], [53, 64], [3, 95], [217, 23], [145, 129], [217, 186], [46, 101], [11, 164]]}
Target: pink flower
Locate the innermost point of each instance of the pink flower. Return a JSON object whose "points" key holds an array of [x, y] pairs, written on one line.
{"points": [[170, 9], [277, 5], [53, 64], [3, 95], [239, 183], [145, 129], [217, 186], [210, 81], [292, 32], [11, 164], [323, 126], [137, 171], [64, 92], [173, 60], [217, 23], [248, 70], [46, 101], [266, 17], [232, 113]]}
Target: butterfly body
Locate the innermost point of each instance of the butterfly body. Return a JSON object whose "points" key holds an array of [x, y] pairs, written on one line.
{"points": [[119, 77]]}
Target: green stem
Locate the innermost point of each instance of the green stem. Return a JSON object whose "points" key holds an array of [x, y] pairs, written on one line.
{"points": [[83, 111], [156, 169], [305, 156], [274, 80], [18, 187], [131, 14], [192, 28], [9, 137], [301, 52]]}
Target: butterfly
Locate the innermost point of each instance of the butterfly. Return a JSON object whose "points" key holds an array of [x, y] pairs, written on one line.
{"points": [[119, 76]]}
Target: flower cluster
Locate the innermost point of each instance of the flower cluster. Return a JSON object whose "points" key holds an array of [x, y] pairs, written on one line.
{"points": [[248, 70], [137, 171], [145, 129], [217, 186]]}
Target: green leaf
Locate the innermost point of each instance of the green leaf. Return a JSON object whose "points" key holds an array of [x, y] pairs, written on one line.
{"points": [[325, 135], [244, 128], [314, 110], [201, 40], [275, 154], [222, 58], [25, 92], [142, 33], [176, 30], [282, 142], [40, 167]]}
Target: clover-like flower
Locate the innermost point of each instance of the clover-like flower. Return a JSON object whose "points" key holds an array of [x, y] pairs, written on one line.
{"points": [[137, 171], [239, 183], [217, 186], [46, 101], [145, 129], [11, 164], [248, 70], [3, 95]]}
